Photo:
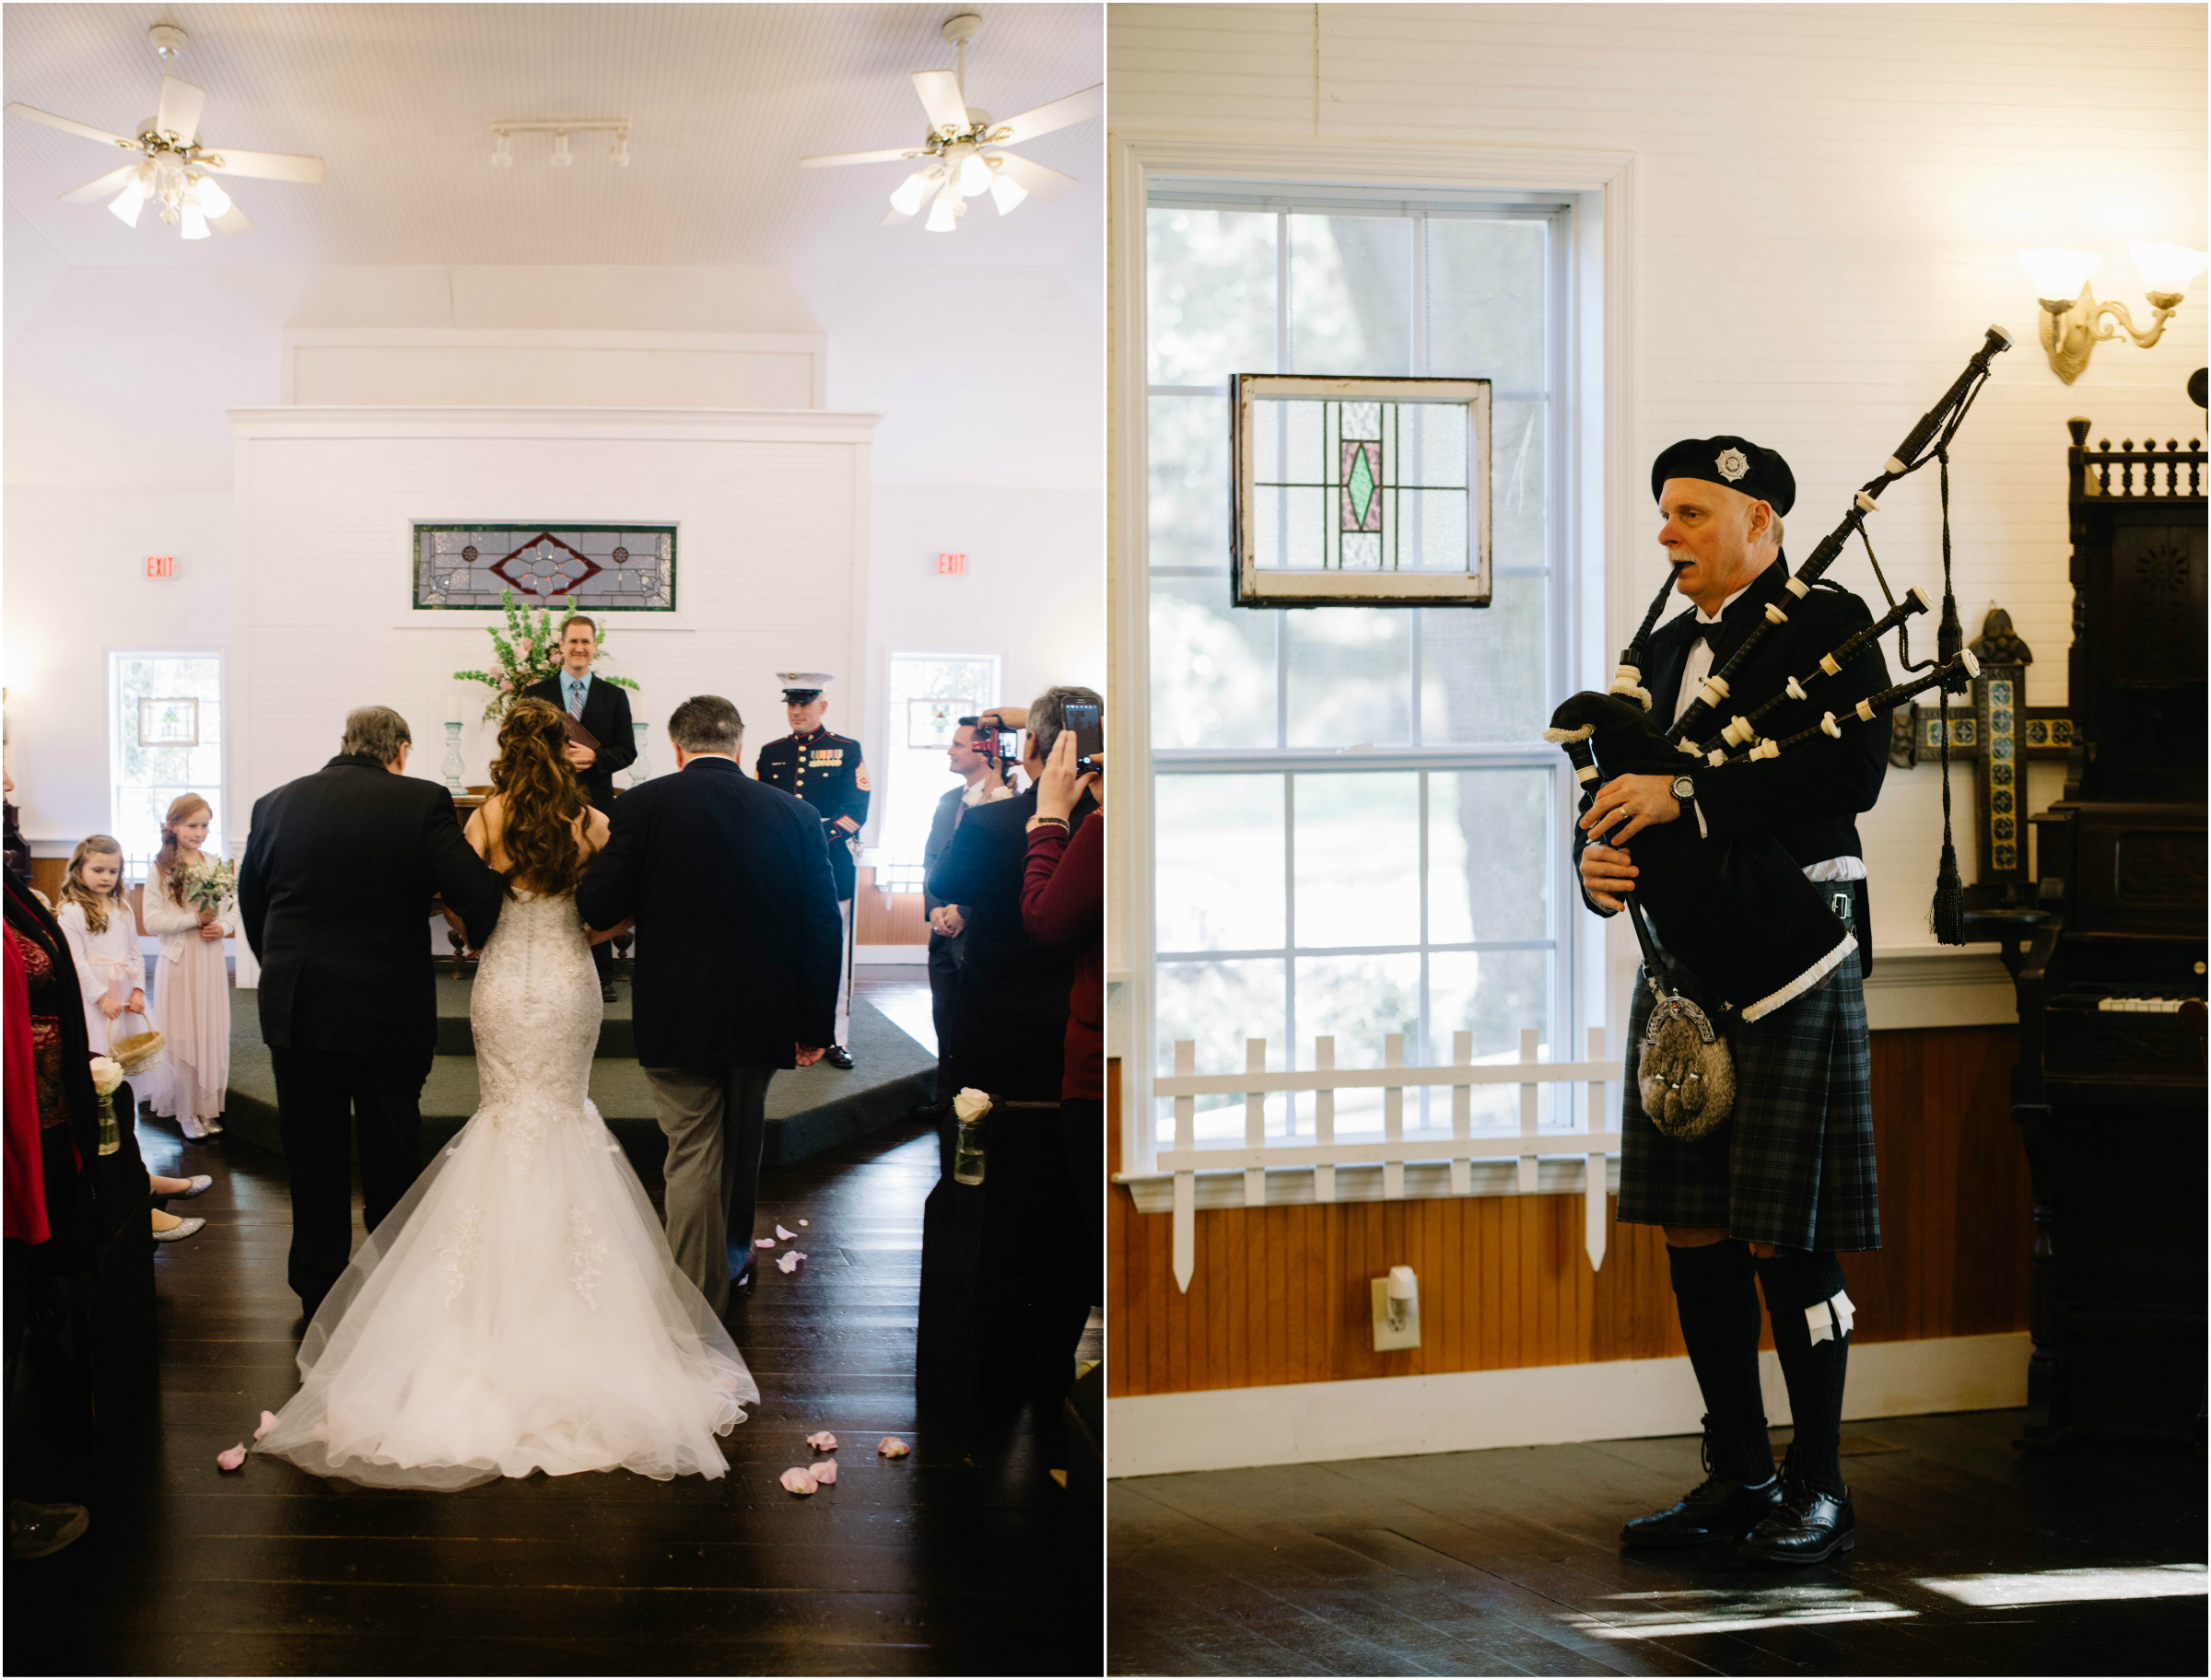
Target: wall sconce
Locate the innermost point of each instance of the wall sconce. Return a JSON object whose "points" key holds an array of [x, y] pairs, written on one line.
{"points": [[2073, 321]]}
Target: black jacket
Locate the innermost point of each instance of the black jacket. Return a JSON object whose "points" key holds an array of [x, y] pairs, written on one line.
{"points": [[1009, 1016], [606, 715], [940, 827], [333, 897], [1807, 799], [739, 935]]}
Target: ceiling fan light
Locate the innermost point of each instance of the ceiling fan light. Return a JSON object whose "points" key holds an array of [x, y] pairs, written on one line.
{"points": [[942, 217], [211, 199], [195, 223], [1006, 193], [908, 199], [127, 204], [975, 176]]}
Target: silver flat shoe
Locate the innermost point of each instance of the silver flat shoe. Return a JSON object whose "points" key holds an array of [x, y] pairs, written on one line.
{"points": [[199, 1184], [179, 1232]]}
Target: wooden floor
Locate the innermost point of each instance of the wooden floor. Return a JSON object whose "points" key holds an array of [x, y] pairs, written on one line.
{"points": [[1505, 1562], [965, 1559]]}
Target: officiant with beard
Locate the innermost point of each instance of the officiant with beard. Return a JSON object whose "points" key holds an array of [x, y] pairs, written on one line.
{"points": [[599, 738]]}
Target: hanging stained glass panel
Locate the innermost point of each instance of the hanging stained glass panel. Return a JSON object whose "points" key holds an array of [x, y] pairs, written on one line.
{"points": [[608, 568], [1367, 492]]}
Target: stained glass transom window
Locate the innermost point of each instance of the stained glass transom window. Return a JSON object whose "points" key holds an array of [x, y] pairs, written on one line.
{"points": [[1367, 490], [608, 568]]}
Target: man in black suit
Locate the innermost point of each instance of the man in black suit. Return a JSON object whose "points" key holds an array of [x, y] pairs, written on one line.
{"points": [[602, 709], [333, 895], [974, 761], [1009, 1013], [728, 880]]}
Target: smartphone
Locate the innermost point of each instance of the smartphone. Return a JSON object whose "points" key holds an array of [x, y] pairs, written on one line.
{"points": [[1090, 736], [1008, 746]]}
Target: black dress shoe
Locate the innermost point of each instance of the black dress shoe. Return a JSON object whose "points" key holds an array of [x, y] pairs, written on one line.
{"points": [[607, 992], [39, 1531], [1809, 1525], [1717, 1508], [836, 1056]]}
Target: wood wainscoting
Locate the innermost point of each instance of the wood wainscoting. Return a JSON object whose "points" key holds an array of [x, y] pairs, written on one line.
{"points": [[1281, 1294], [886, 918]]}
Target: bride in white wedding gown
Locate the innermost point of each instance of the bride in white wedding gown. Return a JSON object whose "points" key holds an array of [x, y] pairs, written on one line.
{"points": [[519, 1310]]}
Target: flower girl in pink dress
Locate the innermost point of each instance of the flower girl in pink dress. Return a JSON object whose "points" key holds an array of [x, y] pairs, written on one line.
{"points": [[192, 987]]}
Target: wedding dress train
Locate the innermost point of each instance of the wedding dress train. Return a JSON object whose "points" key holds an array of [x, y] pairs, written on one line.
{"points": [[517, 1311]]}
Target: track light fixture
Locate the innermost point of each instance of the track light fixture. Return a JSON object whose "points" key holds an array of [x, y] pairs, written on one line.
{"points": [[562, 158]]}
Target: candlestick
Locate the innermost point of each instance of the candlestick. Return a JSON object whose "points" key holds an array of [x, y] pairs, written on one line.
{"points": [[455, 772]]}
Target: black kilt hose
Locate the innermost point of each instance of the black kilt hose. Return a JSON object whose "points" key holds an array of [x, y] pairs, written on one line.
{"points": [[1794, 1163]]}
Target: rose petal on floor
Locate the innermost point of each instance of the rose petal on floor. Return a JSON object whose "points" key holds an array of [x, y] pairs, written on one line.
{"points": [[790, 1262], [822, 1440], [892, 1447], [763, 1242], [268, 1422], [795, 1480], [824, 1473], [231, 1459], [786, 1236], [802, 1222]]}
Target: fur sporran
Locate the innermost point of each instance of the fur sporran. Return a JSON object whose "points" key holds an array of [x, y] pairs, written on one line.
{"points": [[1684, 1072]]}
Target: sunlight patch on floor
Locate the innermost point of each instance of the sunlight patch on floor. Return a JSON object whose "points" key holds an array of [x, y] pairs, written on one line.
{"points": [[2071, 1586]]}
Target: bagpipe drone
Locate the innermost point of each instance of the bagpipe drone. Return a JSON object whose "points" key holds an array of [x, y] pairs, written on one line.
{"points": [[1739, 915]]}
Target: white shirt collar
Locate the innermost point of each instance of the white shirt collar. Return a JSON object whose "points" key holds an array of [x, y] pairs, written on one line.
{"points": [[1714, 618]]}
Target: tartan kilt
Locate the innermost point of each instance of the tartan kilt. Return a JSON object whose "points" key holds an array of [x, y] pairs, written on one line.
{"points": [[1792, 1165]]}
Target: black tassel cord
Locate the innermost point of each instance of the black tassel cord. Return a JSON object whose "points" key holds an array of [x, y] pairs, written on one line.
{"points": [[1947, 915]]}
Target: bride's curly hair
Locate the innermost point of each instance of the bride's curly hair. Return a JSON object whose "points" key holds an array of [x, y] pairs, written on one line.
{"points": [[539, 799]]}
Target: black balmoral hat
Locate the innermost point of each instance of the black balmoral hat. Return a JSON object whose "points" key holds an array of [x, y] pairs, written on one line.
{"points": [[1737, 462]]}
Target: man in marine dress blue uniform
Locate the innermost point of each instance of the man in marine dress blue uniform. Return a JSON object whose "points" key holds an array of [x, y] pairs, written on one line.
{"points": [[1768, 1200], [825, 770]]}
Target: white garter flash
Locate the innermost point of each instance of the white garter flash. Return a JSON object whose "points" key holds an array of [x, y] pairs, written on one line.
{"points": [[1830, 1319]]}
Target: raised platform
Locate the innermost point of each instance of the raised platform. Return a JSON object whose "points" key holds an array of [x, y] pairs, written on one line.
{"points": [[809, 1108]]}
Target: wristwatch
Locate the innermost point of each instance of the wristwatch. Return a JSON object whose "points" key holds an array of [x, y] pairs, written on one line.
{"points": [[1684, 790]]}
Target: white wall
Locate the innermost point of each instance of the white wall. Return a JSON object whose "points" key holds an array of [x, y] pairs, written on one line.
{"points": [[1829, 200], [118, 444], [1034, 592]]}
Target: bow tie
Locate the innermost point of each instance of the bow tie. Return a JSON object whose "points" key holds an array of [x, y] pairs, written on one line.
{"points": [[1709, 634]]}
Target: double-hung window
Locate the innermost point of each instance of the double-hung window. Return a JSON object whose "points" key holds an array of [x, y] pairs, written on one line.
{"points": [[1357, 828]]}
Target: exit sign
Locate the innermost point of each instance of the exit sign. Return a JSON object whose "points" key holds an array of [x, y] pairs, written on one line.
{"points": [[160, 565], [951, 566]]}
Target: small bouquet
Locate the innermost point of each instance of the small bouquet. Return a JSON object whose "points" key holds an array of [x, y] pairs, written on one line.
{"points": [[970, 1108], [528, 652], [210, 883], [107, 1076]]}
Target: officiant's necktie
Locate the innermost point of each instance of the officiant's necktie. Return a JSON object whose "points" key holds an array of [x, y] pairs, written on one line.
{"points": [[575, 699]]}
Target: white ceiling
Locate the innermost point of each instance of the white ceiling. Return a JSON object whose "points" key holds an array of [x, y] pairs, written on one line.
{"points": [[398, 100]]}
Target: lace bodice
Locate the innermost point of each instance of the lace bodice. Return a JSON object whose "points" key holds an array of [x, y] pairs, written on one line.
{"points": [[535, 1010]]}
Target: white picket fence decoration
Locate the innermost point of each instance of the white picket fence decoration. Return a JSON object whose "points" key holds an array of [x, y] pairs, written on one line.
{"points": [[1391, 1150]]}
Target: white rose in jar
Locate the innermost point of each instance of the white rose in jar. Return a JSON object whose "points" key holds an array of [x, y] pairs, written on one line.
{"points": [[971, 1103], [107, 1074]]}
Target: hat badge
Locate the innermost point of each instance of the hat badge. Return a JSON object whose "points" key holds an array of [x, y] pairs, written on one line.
{"points": [[1732, 465]]}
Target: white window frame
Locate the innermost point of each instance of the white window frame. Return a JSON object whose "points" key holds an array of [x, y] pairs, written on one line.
{"points": [[234, 821], [1598, 490]]}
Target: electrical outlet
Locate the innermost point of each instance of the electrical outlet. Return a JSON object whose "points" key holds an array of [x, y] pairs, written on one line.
{"points": [[1385, 1339]]}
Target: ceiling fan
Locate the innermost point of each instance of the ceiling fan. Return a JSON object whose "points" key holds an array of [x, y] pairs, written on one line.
{"points": [[171, 168], [962, 161]]}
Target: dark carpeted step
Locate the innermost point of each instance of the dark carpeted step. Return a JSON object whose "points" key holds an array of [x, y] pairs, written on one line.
{"points": [[809, 1108]]}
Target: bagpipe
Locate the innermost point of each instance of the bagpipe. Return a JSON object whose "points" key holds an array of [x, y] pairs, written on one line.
{"points": [[1739, 915]]}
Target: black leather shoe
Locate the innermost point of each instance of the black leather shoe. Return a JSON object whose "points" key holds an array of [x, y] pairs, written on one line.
{"points": [[1808, 1526], [1715, 1510], [607, 992], [39, 1531], [836, 1056]]}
